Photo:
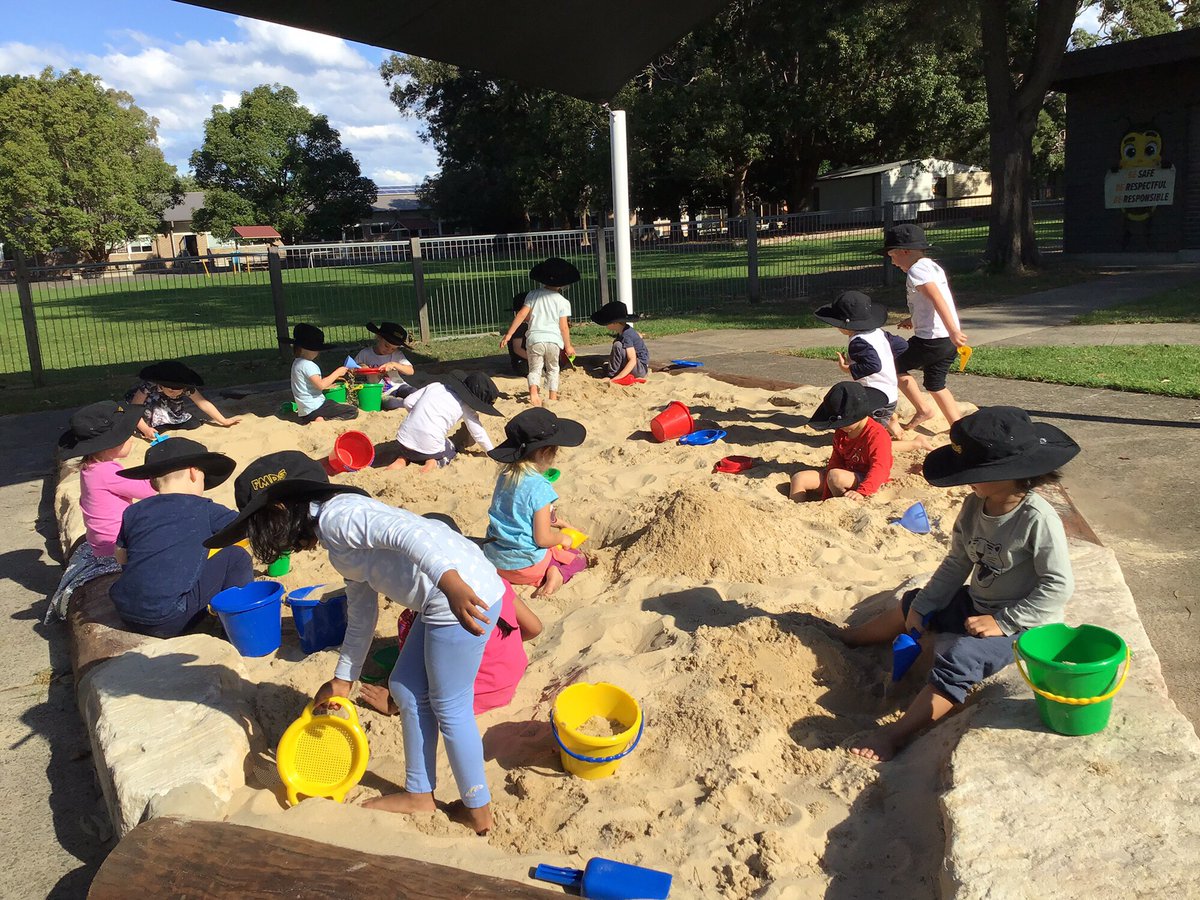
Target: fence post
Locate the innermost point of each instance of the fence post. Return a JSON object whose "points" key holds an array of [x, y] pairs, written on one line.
{"points": [[889, 219], [29, 320], [602, 262], [752, 255], [418, 276], [275, 268]]}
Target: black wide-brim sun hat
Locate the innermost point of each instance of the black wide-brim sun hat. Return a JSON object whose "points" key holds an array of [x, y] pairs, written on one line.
{"points": [[904, 237], [476, 390], [854, 311], [276, 477], [614, 311], [846, 403], [98, 427], [554, 272], [392, 332], [171, 373], [998, 443], [534, 428], [175, 453], [308, 337]]}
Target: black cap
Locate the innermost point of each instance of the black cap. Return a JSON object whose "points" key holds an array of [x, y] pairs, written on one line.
{"points": [[615, 311], [98, 427], [534, 428], [555, 272], [391, 332], [171, 373], [846, 403], [854, 311], [998, 443], [904, 237], [170, 454], [476, 390], [309, 337]]}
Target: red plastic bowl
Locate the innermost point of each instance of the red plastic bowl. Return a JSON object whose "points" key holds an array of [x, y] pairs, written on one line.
{"points": [[732, 465]]}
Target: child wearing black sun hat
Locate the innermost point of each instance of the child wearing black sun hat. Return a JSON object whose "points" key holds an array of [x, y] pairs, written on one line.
{"points": [[1008, 568]]}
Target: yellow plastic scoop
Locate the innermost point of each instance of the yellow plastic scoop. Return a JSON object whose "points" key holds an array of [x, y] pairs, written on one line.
{"points": [[577, 537], [322, 756], [244, 544], [964, 354]]}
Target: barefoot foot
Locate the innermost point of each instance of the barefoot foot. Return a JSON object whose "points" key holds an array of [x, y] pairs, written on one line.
{"points": [[428, 466], [919, 419], [478, 820], [553, 582], [878, 746], [396, 466], [403, 802]]}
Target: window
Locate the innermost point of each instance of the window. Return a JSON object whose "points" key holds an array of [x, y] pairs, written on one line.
{"points": [[382, 228], [143, 243]]}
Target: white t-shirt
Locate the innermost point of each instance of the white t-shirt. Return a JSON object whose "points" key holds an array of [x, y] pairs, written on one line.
{"points": [[369, 358], [546, 308], [926, 322], [432, 412], [885, 379], [308, 396]]}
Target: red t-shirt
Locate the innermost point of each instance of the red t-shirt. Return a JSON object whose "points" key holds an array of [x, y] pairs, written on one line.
{"points": [[869, 455]]}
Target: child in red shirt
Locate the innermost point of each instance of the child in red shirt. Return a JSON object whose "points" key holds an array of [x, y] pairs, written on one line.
{"points": [[862, 449]]}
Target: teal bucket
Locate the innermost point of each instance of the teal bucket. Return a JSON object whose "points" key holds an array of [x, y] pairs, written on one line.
{"points": [[252, 616], [1073, 673]]}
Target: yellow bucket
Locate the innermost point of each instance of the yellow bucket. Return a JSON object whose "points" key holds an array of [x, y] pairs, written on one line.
{"points": [[586, 755], [322, 756]]}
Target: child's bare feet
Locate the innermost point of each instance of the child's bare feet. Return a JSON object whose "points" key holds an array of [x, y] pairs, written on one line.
{"points": [[535, 399], [396, 466], [428, 466], [920, 418], [879, 745], [403, 802], [378, 698], [478, 820], [554, 395], [552, 583]]}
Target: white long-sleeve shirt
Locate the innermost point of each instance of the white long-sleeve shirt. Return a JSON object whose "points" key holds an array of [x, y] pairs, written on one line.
{"points": [[379, 549], [432, 412]]}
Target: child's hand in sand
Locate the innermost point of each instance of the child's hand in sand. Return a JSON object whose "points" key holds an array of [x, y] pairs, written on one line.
{"points": [[842, 364], [334, 687], [905, 323], [854, 496], [982, 626], [229, 423], [915, 620]]}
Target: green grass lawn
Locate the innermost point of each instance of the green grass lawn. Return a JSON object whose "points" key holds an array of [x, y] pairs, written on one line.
{"points": [[1166, 369], [1181, 304]]}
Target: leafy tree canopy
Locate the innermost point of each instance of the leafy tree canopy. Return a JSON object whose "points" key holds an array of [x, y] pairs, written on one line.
{"points": [[80, 168], [269, 161]]}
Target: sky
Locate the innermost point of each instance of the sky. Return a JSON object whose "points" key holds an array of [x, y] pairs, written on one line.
{"points": [[178, 61]]}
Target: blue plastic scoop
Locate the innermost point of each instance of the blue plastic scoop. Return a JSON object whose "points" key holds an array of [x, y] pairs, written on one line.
{"points": [[906, 649], [351, 363], [915, 519], [606, 879], [686, 363], [702, 437]]}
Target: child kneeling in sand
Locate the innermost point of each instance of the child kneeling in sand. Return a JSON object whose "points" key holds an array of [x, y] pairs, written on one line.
{"points": [[387, 355], [629, 354], [526, 546], [169, 578], [1007, 540], [308, 385], [433, 411], [862, 450]]}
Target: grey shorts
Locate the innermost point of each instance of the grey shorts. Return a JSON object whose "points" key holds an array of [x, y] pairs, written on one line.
{"points": [[960, 660], [884, 414]]}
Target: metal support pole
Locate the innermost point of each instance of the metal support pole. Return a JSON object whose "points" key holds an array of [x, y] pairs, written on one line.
{"points": [[752, 255], [889, 219], [418, 276], [602, 261], [620, 182], [29, 320], [275, 270]]}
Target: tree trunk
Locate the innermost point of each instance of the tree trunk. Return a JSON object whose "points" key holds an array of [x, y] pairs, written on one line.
{"points": [[737, 199], [1012, 245]]}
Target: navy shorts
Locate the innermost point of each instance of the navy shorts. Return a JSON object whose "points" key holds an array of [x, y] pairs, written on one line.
{"points": [[884, 414], [960, 660], [933, 356]]}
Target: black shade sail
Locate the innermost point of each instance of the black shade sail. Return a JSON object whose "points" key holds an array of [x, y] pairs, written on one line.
{"points": [[583, 48]]}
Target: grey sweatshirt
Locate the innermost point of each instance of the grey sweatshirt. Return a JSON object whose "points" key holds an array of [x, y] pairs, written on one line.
{"points": [[1018, 564]]}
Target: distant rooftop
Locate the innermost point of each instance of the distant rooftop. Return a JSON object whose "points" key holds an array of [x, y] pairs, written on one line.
{"points": [[1161, 50], [880, 168], [185, 208]]}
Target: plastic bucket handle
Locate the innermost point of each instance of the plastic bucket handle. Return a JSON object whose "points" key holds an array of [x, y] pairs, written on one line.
{"points": [[1072, 701], [598, 759]]}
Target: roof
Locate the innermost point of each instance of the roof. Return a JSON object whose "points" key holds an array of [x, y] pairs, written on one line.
{"points": [[880, 168], [185, 209], [1144, 53], [256, 232], [584, 49], [386, 202]]}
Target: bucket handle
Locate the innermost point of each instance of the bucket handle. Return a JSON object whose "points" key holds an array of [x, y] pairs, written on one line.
{"points": [[1072, 701], [597, 759]]}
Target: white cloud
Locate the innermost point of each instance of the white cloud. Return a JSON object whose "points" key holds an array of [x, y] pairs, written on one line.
{"points": [[395, 176], [365, 134], [25, 59], [319, 48]]}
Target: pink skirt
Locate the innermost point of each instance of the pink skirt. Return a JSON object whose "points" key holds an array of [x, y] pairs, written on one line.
{"points": [[569, 562]]}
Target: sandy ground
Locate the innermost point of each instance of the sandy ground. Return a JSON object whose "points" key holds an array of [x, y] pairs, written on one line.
{"points": [[709, 598]]}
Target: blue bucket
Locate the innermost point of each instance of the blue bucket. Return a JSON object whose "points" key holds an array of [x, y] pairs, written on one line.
{"points": [[319, 623], [251, 616]]}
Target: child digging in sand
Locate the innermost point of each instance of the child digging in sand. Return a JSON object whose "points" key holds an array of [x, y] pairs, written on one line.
{"points": [[527, 546], [862, 451], [308, 385], [387, 354], [934, 321], [287, 504], [549, 315], [629, 354], [162, 389], [433, 412], [1010, 548]]}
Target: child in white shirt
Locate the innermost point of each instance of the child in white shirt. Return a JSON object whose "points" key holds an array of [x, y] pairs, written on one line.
{"points": [[433, 411], [387, 354]]}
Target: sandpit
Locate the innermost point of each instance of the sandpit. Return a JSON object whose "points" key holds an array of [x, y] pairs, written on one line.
{"points": [[709, 599]]}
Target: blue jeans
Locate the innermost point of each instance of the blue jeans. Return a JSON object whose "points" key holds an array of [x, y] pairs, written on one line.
{"points": [[433, 685]]}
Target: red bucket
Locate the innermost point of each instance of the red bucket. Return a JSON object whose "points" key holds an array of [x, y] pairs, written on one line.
{"points": [[351, 451], [673, 422]]}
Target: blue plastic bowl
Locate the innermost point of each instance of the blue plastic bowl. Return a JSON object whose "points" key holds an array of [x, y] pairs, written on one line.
{"points": [[319, 623], [251, 616]]}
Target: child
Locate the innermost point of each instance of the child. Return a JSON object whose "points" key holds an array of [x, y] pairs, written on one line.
{"points": [[549, 316], [518, 352], [629, 355], [934, 320], [527, 547], [307, 384], [287, 504], [169, 577], [161, 391], [862, 451], [871, 357], [1007, 541], [386, 354], [434, 411]]}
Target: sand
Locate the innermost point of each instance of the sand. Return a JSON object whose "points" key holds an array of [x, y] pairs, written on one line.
{"points": [[710, 598]]}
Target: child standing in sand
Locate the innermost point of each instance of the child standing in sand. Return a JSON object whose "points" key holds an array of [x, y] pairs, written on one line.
{"points": [[161, 391], [308, 385], [1008, 546], [862, 451], [433, 412], [934, 321], [287, 504], [387, 354], [629, 355], [549, 315], [518, 352], [527, 546]]}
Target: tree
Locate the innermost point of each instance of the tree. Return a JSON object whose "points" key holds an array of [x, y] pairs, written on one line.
{"points": [[80, 168], [1123, 20], [269, 161]]}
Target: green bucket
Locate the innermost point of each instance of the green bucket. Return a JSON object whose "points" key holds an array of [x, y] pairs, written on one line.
{"points": [[336, 394], [281, 566], [370, 397], [1073, 673]]}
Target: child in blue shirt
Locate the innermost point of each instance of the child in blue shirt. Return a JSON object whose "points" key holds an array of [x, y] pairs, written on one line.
{"points": [[308, 386], [629, 355], [169, 577], [526, 546], [549, 334]]}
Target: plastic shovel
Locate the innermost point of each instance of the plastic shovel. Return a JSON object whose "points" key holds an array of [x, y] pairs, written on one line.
{"points": [[964, 354], [906, 649], [351, 363], [915, 519], [606, 879]]}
